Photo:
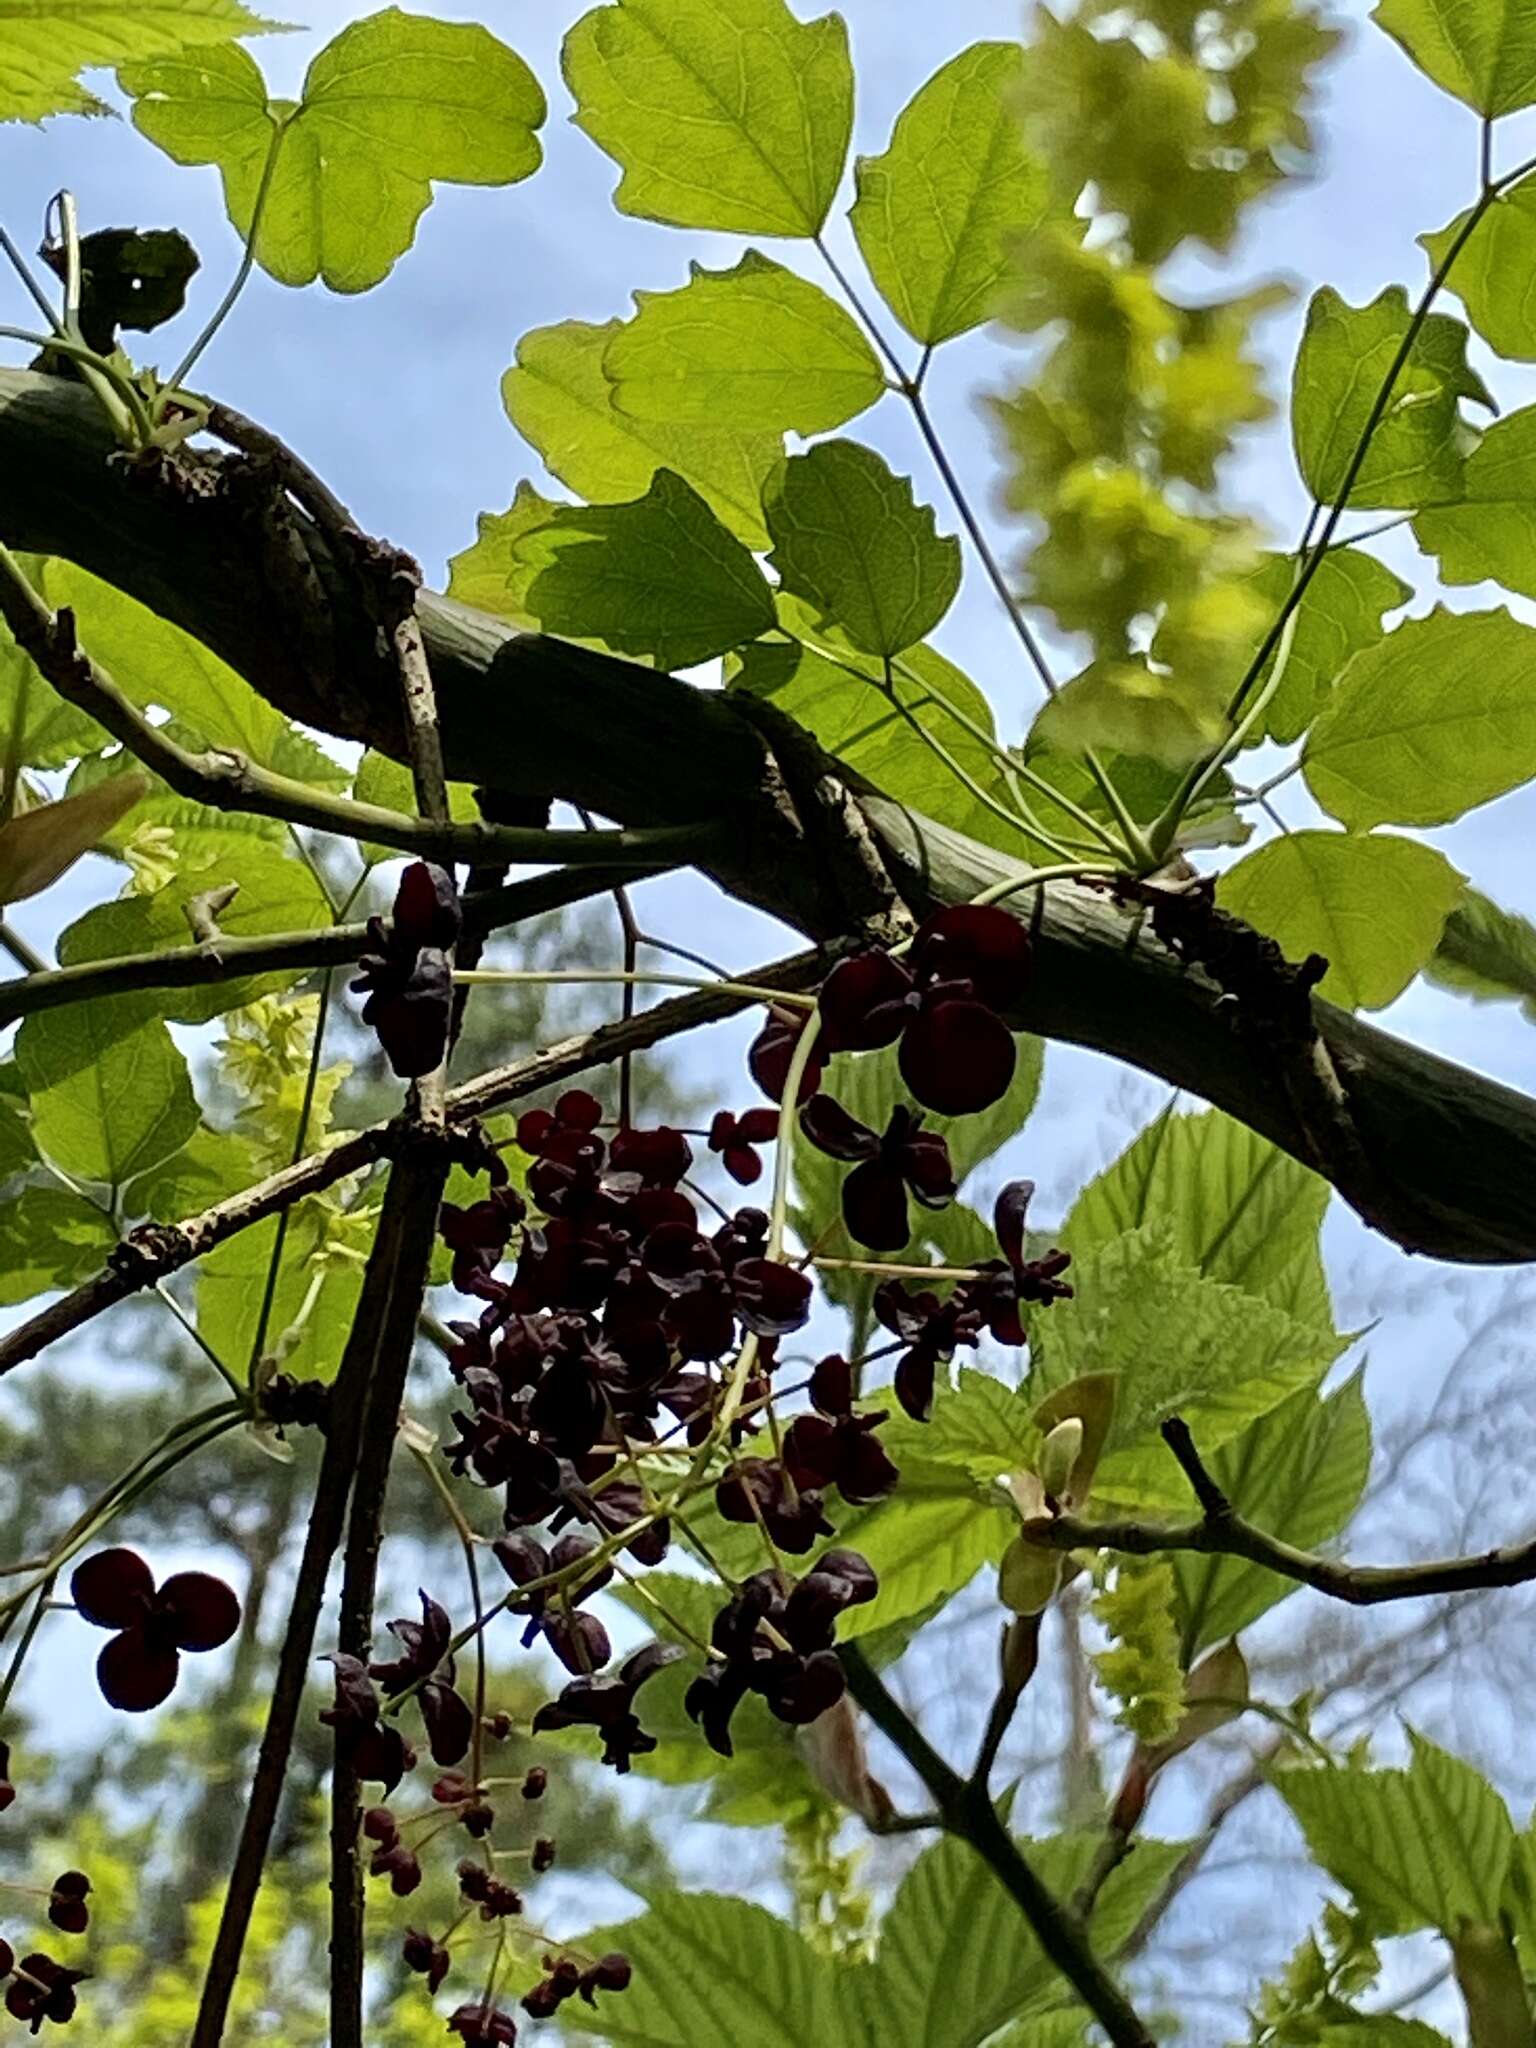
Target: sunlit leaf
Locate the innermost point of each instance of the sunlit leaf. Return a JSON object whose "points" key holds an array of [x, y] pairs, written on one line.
{"points": [[392, 104], [720, 113], [1415, 452], [560, 401], [39, 845], [851, 540], [1432, 721], [1486, 953], [46, 44], [934, 214], [1491, 531], [1484, 53], [312, 1307], [1373, 905], [50, 1237], [106, 1104], [1490, 267], [755, 345]]}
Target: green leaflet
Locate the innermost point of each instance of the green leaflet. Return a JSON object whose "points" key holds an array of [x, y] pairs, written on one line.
{"points": [[50, 1238], [42, 730], [1484, 52], [755, 345], [1490, 268], [210, 1167], [850, 539], [107, 1104], [1374, 905], [660, 577], [1486, 953], [1491, 531], [1423, 1847], [1346, 352], [379, 780], [720, 113], [45, 44], [315, 1297], [1436, 719], [935, 213], [16, 1148], [1235, 1207], [926, 1541], [1298, 1472], [559, 400], [392, 104]]}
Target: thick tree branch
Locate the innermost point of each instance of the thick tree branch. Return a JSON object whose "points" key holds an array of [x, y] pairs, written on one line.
{"points": [[155, 1250], [269, 595], [1222, 1532]]}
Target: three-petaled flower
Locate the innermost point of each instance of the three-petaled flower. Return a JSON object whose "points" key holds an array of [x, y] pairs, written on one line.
{"points": [[116, 1589], [905, 1158]]}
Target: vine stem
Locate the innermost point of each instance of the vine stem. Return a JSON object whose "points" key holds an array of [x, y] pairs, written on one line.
{"points": [[226, 305], [491, 977]]}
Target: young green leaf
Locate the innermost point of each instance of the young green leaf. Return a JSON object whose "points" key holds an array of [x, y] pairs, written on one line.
{"points": [[46, 44], [107, 1104], [926, 1541], [659, 577], [39, 845], [1486, 953], [41, 729], [1423, 1847], [719, 113], [314, 1302], [392, 104], [755, 345], [1298, 1471], [1491, 530], [1373, 905], [1346, 352], [850, 539], [50, 1237], [934, 214], [559, 400], [1436, 719], [1490, 270], [1485, 54]]}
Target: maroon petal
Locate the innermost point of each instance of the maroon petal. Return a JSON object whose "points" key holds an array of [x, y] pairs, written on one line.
{"points": [[812, 1451], [112, 1588], [914, 1384], [203, 1611], [810, 1690], [926, 1169], [957, 1056], [771, 1052], [1008, 1219], [978, 943], [772, 1300], [832, 1130], [742, 1164], [426, 906], [832, 1385], [449, 1723], [875, 1207], [863, 1003], [867, 1473], [136, 1674]]}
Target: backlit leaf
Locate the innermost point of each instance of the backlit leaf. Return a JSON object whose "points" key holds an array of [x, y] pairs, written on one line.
{"points": [[1484, 53], [39, 845], [106, 1104], [392, 104], [755, 345], [50, 1237], [851, 540], [1491, 531], [1490, 270], [46, 44], [1437, 718], [1486, 953], [1373, 905], [934, 214], [720, 113]]}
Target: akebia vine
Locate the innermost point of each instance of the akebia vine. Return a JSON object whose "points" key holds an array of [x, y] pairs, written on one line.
{"points": [[687, 1411]]}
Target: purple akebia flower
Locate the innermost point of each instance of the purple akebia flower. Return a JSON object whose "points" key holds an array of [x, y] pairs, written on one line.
{"points": [[608, 1704], [427, 1664], [905, 1159], [1003, 1286], [116, 1589], [835, 1447], [405, 974], [932, 1329]]}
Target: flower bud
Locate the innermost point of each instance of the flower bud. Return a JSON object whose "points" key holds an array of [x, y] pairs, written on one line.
{"points": [[1027, 1577], [1058, 1455], [1021, 1652]]}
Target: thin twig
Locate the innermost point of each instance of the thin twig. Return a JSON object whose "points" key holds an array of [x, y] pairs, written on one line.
{"points": [[26, 955]]}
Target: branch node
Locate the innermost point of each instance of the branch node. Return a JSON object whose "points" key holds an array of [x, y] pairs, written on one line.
{"points": [[1214, 1504]]}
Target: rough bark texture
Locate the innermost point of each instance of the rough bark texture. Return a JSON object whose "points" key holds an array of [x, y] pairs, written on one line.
{"points": [[1456, 1151]]}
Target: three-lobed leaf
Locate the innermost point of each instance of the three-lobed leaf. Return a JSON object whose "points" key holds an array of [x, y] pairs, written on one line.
{"points": [[1436, 719], [756, 345], [390, 105], [936, 212], [719, 113], [850, 539], [1372, 904]]}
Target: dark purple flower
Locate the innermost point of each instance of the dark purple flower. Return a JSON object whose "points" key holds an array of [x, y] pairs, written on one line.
{"points": [[42, 1990], [428, 1958], [483, 2026], [427, 1665], [907, 1158], [116, 1589], [771, 1051], [607, 1704], [406, 975], [376, 1749], [735, 1138], [762, 1490], [835, 1447], [931, 1329], [1001, 1289], [66, 1902], [772, 1299]]}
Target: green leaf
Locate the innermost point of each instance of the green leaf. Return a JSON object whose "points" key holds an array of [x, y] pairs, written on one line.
{"points": [[46, 44], [755, 345], [276, 893], [839, 695], [39, 845], [1486, 278], [41, 730], [106, 1104], [934, 214], [379, 780], [1298, 1472], [710, 1970], [210, 1167], [661, 577], [1484, 54], [391, 104], [1486, 953], [559, 400], [232, 1282], [1236, 1208], [1180, 1343], [50, 1238], [1438, 718], [1346, 352], [1491, 532], [1374, 906], [1424, 1847], [720, 113], [850, 539], [926, 1541], [955, 1960], [16, 1148], [1520, 1893]]}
